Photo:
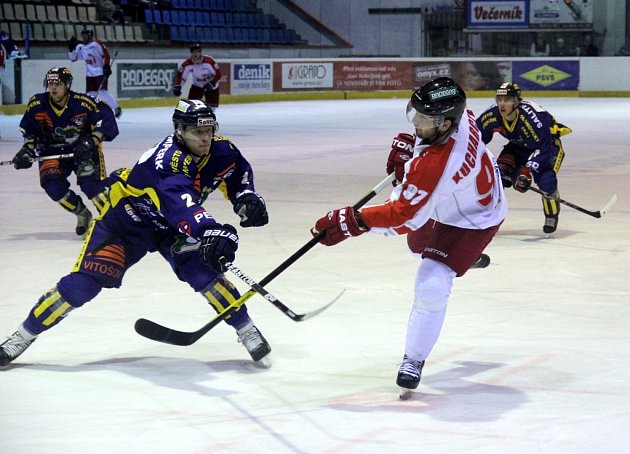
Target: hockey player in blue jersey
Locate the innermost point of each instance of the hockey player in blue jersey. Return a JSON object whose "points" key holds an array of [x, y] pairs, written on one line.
{"points": [[157, 207], [61, 121], [534, 147]]}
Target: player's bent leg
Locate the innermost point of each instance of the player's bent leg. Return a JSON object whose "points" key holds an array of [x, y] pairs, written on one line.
{"points": [[221, 293], [548, 182], [51, 308], [434, 281]]}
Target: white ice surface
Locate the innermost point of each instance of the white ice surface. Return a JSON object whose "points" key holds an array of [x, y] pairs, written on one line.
{"points": [[534, 355]]}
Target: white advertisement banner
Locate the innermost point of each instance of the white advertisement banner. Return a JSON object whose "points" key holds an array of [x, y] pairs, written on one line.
{"points": [[252, 78], [497, 14], [307, 75], [561, 14]]}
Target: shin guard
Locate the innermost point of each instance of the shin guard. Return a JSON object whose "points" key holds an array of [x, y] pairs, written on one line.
{"points": [[49, 310], [220, 293]]}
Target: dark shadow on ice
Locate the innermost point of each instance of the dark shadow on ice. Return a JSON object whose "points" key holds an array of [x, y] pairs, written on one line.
{"points": [[446, 396], [176, 373]]}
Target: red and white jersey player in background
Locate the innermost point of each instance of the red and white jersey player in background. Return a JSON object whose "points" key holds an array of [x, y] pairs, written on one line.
{"points": [[450, 204], [206, 76], [97, 67]]}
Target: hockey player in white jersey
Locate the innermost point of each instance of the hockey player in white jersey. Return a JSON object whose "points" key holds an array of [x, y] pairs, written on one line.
{"points": [[97, 66], [450, 205]]}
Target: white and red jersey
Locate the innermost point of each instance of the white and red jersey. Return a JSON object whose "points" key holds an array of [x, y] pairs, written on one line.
{"points": [[456, 183], [95, 55], [206, 71]]}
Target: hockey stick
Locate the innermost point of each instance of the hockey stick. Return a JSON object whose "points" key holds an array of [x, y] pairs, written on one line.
{"points": [[157, 332], [100, 87], [272, 299], [596, 214], [41, 158]]}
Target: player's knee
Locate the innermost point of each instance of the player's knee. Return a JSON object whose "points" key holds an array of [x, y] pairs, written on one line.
{"points": [[55, 188], [78, 288], [91, 188], [434, 282], [547, 181]]}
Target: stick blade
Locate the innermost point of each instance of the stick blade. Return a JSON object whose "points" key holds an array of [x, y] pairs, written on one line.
{"points": [[306, 316], [159, 333], [609, 206]]}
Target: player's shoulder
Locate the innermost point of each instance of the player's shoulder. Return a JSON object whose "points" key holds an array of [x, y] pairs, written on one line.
{"points": [[208, 59], [83, 101], [222, 145], [37, 100], [170, 158], [488, 116]]}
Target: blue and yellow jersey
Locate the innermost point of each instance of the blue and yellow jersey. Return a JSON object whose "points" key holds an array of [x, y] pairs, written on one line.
{"points": [[56, 130], [534, 128], [166, 188]]}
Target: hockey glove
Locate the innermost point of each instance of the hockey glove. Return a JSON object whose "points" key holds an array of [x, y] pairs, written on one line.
{"points": [[86, 160], [177, 90], [523, 180], [219, 242], [24, 158], [107, 70], [72, 43], [210, 87], [251, 209], [401, 152], [339, 225]]}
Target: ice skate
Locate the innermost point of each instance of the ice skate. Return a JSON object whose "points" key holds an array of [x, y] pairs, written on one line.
{"points": [[15, 345], [482, 262], [551, 224], [255, 343], [409, 376], [84, 217]]}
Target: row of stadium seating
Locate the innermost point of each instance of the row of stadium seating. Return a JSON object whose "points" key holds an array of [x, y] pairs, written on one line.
{"points": [[210, 18], [39, 12], [58, 32], [233, 35]]}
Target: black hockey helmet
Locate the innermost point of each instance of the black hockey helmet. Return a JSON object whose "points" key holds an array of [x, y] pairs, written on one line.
{"points": [[440, 97], [509, 89], [58, 74], [89, 32], [195, 46], [193, 112]]}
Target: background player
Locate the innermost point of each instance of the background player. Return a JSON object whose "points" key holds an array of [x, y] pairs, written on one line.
{"points": [[206, 76], [61, 121], [534, 146], [157, 206], [97, 66], [450, 204]]}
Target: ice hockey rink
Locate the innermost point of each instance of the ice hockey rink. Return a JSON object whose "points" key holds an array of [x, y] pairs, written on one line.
{"points": [[534, 355]]}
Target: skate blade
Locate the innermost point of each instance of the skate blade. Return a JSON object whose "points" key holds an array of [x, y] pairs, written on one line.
{"points": [[264, 362], [405, 394]]}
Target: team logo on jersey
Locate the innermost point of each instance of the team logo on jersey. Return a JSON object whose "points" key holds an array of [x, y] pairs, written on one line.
{"points": [[184, 227]]}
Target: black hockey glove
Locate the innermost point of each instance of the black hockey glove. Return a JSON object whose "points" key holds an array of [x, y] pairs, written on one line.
{"points": [[24, 158], [251, 209], [86, 160], [177, 90], [72, 43], [219, 242], [107, 70]]}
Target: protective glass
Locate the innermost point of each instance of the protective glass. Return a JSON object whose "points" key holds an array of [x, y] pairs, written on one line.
{"points": [[198, 132], [421, 121]]}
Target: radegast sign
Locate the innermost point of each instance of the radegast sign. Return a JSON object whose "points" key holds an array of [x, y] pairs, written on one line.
{"points": [[143, 80]]}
